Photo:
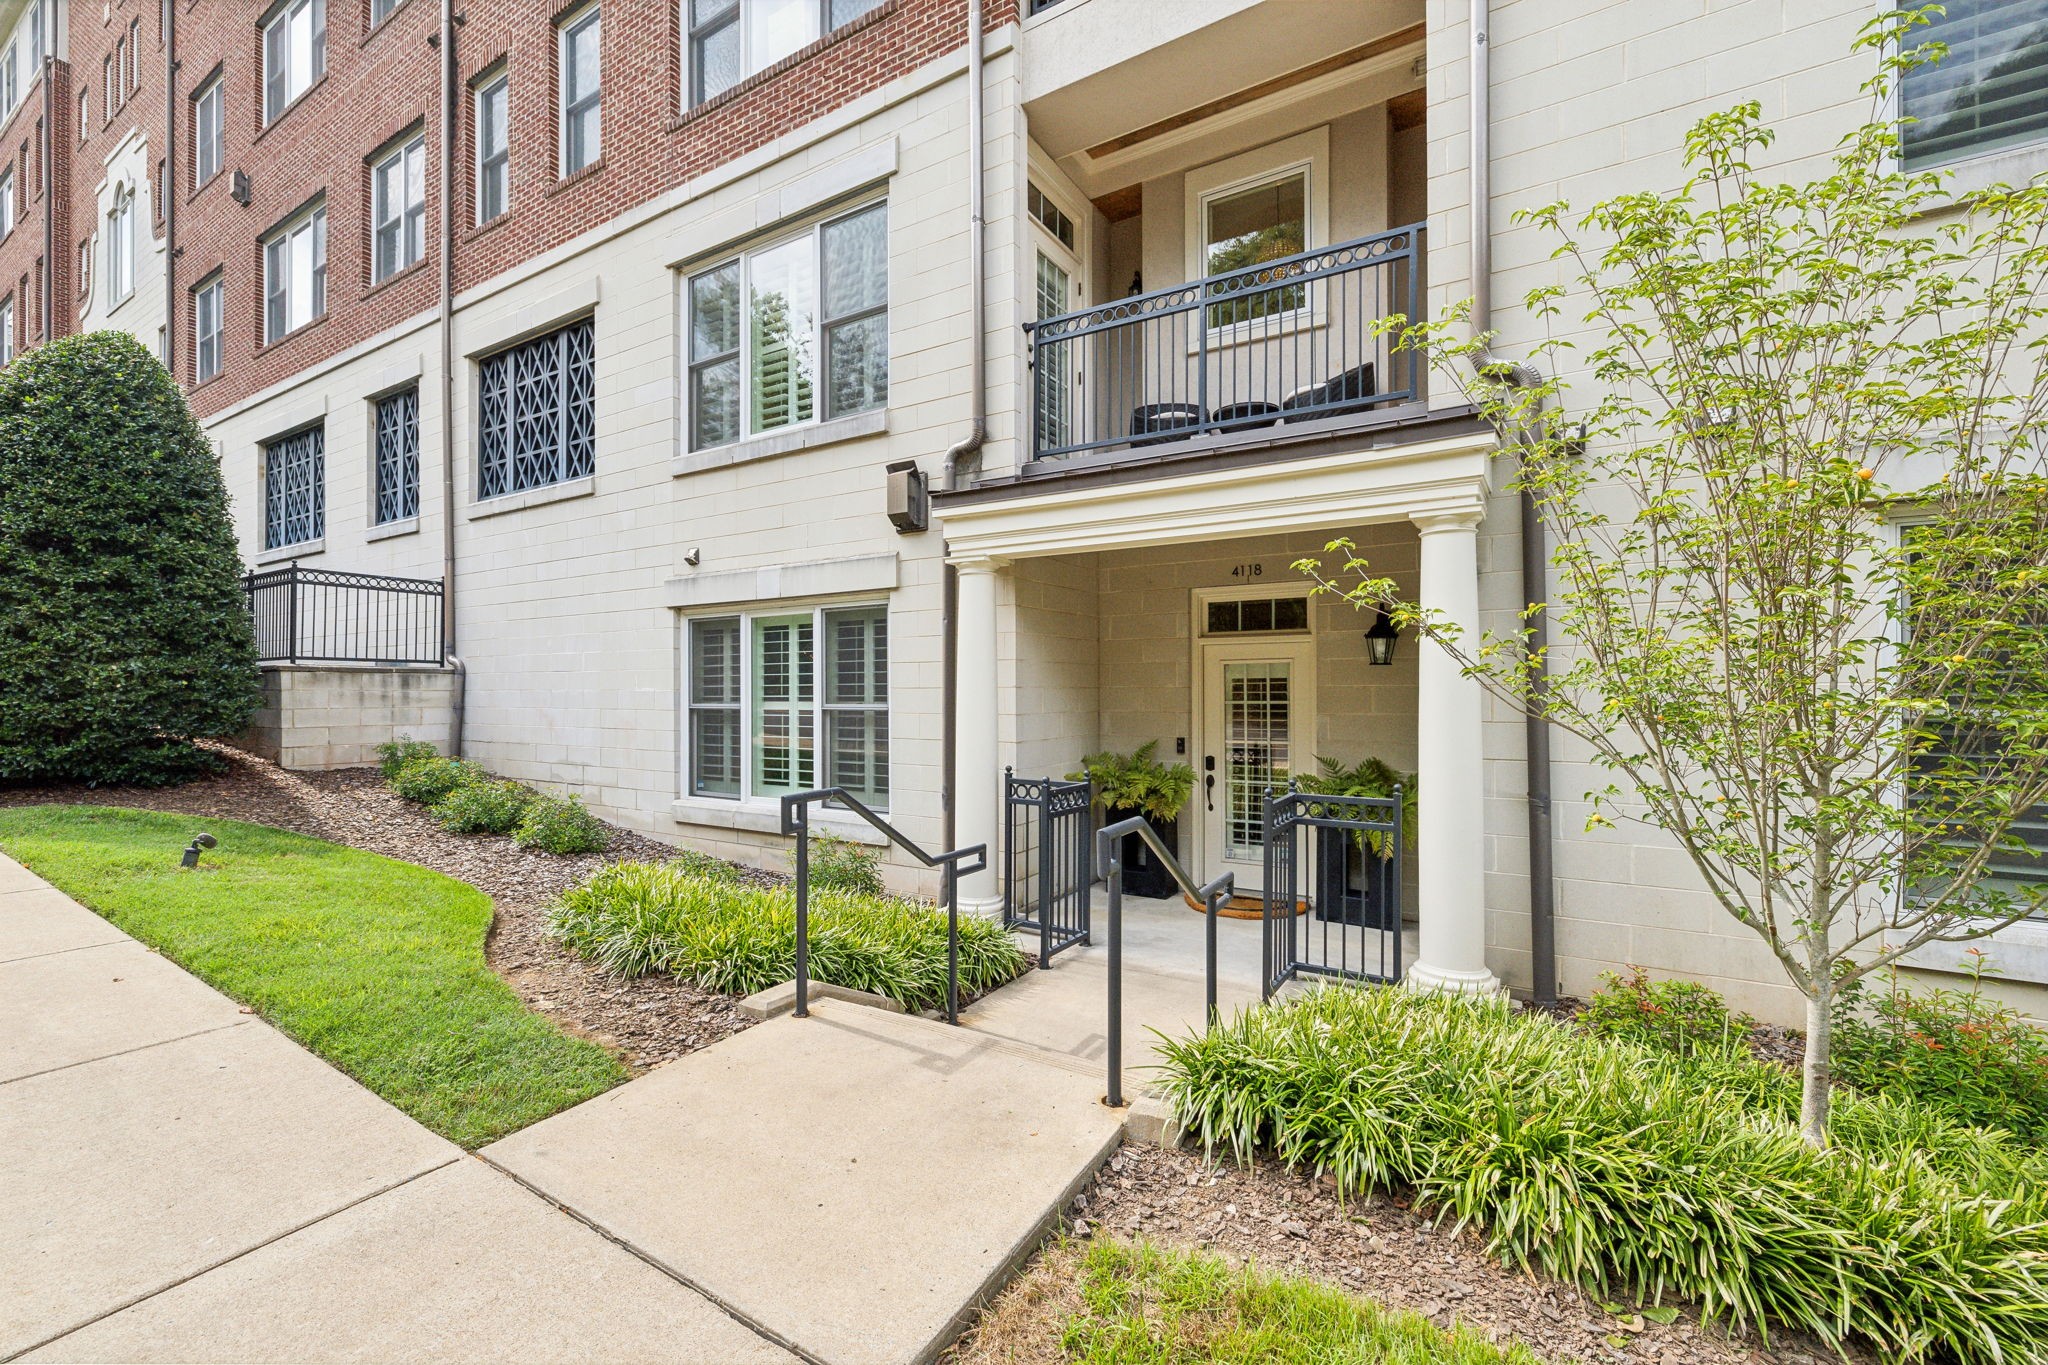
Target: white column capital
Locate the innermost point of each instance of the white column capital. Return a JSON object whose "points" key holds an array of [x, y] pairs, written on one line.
{"points": [[1457, 519], [978, 564]]}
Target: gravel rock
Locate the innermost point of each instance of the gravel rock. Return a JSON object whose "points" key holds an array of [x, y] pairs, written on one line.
{"points": [[644, 1022]]}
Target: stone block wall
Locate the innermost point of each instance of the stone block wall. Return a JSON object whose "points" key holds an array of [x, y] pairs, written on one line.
{"points": [[321, 716]]}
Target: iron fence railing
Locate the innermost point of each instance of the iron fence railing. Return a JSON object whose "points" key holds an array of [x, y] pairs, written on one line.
{"points": [[1284, 341], [321, 616], [1047, 867]]}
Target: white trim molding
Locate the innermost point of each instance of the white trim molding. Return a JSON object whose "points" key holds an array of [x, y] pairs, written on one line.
{"points": [[865, 575]]}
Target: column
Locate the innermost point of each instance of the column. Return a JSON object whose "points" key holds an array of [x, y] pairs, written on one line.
{"points": [[976, 769], [1450, 772]]}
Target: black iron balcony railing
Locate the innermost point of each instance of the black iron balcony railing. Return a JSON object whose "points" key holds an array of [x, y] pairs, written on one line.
{"points": [[319, 616], [1284, 341]]}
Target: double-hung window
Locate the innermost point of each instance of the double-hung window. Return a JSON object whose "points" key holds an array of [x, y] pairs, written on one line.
{"points": [[771, 697], [295, 489], [493, 148], [730, 40], [209, 131], [399, 209], [121, 247], [380, 10], [582, 90], [294, 53], [398, 456], [10, 90], [537, 412], [1989, 93], [6, 203], [295, 274], [769, 328], [206, 330], [6, 329], [38, 40]]}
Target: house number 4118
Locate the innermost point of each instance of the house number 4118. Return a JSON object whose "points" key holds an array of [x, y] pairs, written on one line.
{"points": [[1248, 571]]}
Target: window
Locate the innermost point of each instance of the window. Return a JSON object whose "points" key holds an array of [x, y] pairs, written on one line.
{"points": [[1249, 226], [763, 699], [209, 131], [295, 275], [1990, 92], [398, 457], [38, 43], [206, 330], [134, 55], [9, 90], [121, 247], [294, 53], [6, 203], [760, 325], [730, 40], [6, 329], [537, 413], [1252, 615], [380, 10], [399, 209], [295, 489], [493, 148], [582, 91], [1050, 217]]}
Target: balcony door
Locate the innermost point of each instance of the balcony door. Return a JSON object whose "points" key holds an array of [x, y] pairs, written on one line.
{"points": [[1057, 287]]}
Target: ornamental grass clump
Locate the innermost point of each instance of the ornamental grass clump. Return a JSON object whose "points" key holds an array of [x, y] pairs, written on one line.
{"points": [[1636, 1172], [633, 919]]}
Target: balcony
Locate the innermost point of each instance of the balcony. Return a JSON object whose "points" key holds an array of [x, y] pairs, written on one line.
{"points": [[1239, 357]]}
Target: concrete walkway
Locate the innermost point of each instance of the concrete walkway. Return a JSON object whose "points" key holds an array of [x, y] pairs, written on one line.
{"points": [[184, 1183]]}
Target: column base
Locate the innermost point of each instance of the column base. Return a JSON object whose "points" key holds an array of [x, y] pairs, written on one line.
{"points": [[1424, 977], [987, 907]]}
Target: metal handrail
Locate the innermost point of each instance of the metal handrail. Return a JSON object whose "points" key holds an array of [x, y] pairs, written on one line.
{"points": [[1212, 896], [796, 819]]}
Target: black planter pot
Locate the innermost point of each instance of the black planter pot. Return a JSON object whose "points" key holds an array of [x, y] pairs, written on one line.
{"points": [[1144, 873], [1352, 882]]}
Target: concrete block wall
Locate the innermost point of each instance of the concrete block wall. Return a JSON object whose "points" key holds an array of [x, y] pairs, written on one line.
{"points": [[317, 717]]}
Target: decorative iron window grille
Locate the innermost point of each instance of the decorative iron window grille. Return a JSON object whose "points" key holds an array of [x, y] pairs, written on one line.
{"points": [[537, 418], [398, 456], [295, 488]]}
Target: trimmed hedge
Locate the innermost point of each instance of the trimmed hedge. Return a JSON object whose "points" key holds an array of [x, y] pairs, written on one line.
{"points": [[1634, 1171], [427, 780], [484, 806], [636, 918], [124, 632]]}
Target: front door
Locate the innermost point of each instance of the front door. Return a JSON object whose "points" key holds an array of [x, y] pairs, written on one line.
{"points": [[1258, 727]]}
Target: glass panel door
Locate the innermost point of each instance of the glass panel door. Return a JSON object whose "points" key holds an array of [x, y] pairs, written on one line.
{"points": [[1258, 707]]}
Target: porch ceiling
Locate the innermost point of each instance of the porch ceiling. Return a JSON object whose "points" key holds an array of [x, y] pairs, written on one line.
{"points": [[1422, 479]]}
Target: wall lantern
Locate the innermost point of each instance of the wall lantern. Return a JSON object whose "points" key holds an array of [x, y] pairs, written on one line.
{"points": [[1380, 641]]}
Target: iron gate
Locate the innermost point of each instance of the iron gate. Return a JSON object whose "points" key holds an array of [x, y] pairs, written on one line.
{"points": [[1047, 873], [1333, 887]]}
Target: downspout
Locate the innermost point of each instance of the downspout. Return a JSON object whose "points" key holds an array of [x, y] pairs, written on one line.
{"points": [[169, 189], [970, 445], [447, 320], [1535, 730], [49, 184]]}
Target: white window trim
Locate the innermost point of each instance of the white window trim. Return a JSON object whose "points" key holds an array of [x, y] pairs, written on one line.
{"points": [[815, 231], [748, 799], [283, 230], [500, 82], [215, 91], [120, 248], [381, 216], [7, 330], [6, 204], [216, 285], [1304, 153], [564, 30], [317, 57], [821, 11]]}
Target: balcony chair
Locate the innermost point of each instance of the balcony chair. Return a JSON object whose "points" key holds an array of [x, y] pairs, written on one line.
{"points": [[1352, 391], [1152, 423]]}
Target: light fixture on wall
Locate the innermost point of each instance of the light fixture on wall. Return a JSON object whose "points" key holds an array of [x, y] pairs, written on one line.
{"points": [[1380, 641]]}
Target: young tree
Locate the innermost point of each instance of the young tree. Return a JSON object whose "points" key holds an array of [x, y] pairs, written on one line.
{"points": [[123, 632], [1800, 528]]}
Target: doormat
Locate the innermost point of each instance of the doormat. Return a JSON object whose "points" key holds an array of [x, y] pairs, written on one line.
{"points": [[1247, 906]]}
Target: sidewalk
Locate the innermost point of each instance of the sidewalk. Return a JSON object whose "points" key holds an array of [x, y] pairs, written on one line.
{"points": [[182, 1182]]}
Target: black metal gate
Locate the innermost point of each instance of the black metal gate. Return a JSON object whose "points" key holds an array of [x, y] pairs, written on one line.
{"points": [[1047, 872], [1333, 887]]}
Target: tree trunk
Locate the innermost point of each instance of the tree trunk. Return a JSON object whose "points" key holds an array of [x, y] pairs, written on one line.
{"points": [[1813, 1095]]}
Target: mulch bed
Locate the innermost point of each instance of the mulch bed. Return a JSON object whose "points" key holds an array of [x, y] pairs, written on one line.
{"points": [[1376, 1248], [644, 1022]]}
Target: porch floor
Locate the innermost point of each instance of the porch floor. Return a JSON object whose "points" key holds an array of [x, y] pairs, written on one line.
{"points": [[1065, 1009]]}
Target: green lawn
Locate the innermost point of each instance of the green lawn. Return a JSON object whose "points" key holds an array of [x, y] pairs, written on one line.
{"points": [[1145, 1306], [376, 965]]}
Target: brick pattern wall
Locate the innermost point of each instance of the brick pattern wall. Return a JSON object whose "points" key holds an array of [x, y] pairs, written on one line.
{"points": [[379, 83], [22, 257]]}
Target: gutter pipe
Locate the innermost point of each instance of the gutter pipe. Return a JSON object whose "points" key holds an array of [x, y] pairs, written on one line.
{"points": [[449, 20], [49, 181], [169, 189], [1535, 561], [969, 446]]}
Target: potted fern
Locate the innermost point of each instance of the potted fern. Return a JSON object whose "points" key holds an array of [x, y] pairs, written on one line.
{"points": [[1352, 875], [1137, 783]]}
